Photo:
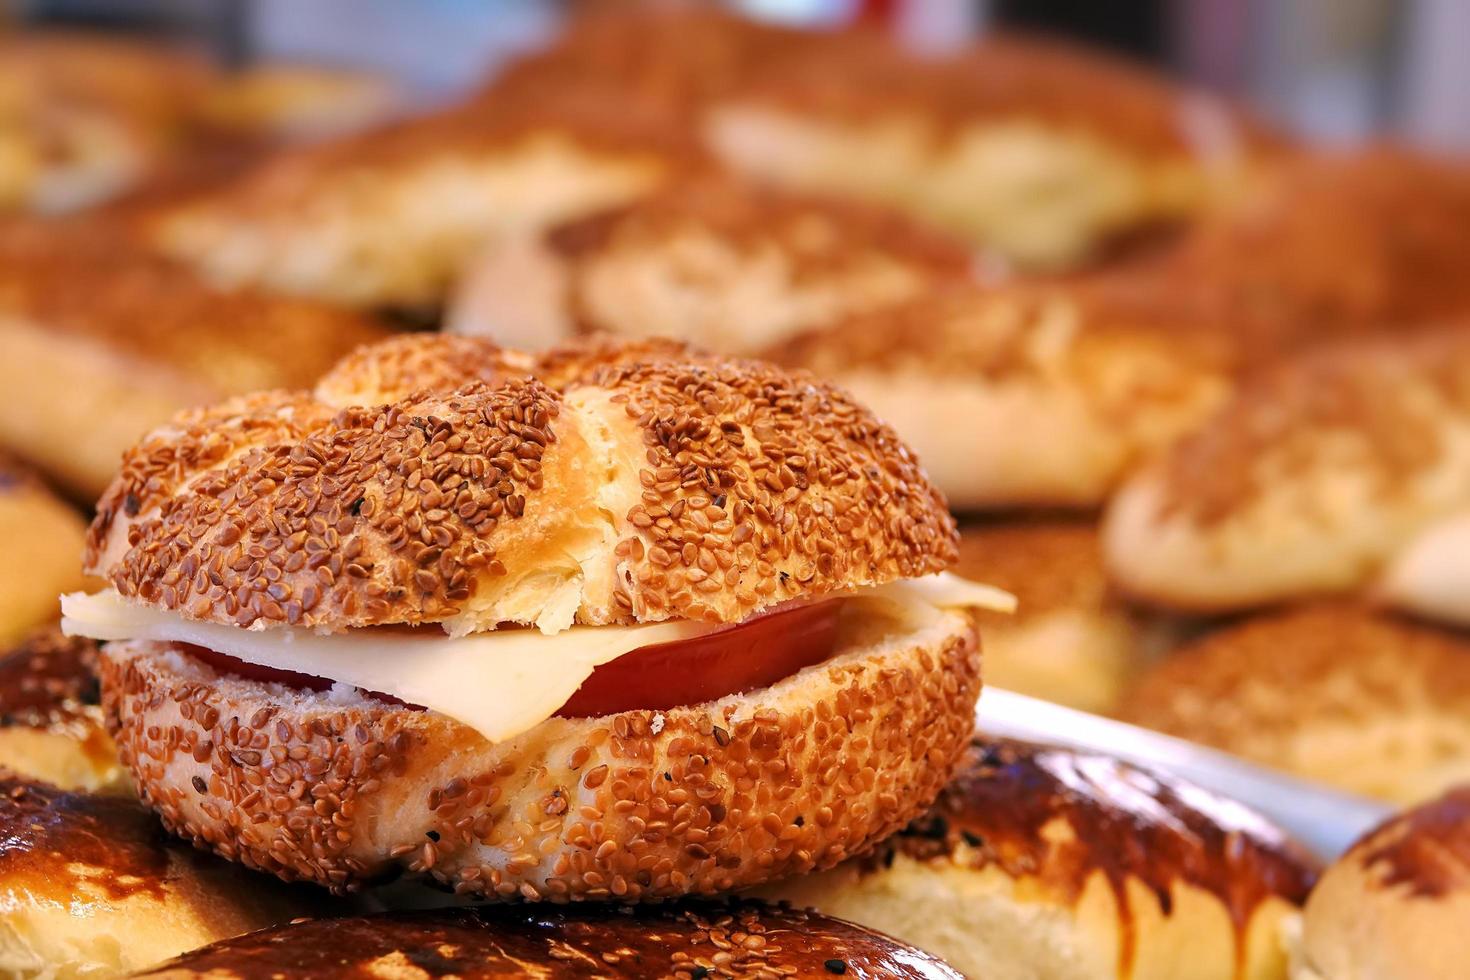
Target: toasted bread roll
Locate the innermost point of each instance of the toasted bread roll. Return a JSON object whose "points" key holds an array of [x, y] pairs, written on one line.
{"points": [[726, 265], [282, 101], [42, 558], [1048, 863], [83, 118], [1394, 906], [1308, 482], [1070, 640], [387, 217], [745, 939], [1037, 151], [100, 341], [607, 486], [50, 720], [1366, 701], [90, 886]]}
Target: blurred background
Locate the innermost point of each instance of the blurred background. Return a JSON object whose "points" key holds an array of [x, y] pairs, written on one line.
{"points": [[1334, 69]]}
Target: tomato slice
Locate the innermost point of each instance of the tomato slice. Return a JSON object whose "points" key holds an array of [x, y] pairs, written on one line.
{"points": [[756, 653], [730, 660]]}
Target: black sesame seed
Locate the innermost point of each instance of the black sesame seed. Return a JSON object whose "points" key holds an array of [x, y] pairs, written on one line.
{"points": [[836, 966], [800, 821], [433, 835], [700, 972], [972, 838], [200, 786]]}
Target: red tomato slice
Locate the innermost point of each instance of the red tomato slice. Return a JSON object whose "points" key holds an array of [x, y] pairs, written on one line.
{"points": [[740, 658], [731, 660]]}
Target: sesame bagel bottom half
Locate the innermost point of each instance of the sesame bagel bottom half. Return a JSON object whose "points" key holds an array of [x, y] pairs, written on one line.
{"points": [[457, 613]]}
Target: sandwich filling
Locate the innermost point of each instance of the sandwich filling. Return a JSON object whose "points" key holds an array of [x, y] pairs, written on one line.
{"points": [[506, 681]]}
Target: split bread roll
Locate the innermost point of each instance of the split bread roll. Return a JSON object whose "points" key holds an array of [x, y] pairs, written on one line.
{"points": [[1366, 701], [1309, 482], [90, 886], [668, 942], [1070, 641], [1045, 863], [387, 217], [446, 484], [43, 545], [100, 341], [51, 726], [1394, 906]]}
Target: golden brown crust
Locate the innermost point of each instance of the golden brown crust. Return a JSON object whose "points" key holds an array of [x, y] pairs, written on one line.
{"points": [[48, 680], [1365, 700], [1393, 906], [43, 544], [997, 813], [1002, 77], [743, 487], [727, 940], [90, 280], [636, 805], [1048, 565]]}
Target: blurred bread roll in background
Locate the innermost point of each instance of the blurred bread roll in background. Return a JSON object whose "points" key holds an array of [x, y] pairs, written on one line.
{"points": [[43, 547], [1044, 863], [1036, 151], [1367, 701], [84, 117], [90, 886], [387, 217], [1308, 482], [720, 263], [1070, 641], [1394, 906], [282, 101], [101, 340], [51, 725]]}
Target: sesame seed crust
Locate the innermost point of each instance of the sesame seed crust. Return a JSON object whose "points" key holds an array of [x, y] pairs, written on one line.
{"points": [[632, 806], [704, 487], [1305, 483], [723, 940]]}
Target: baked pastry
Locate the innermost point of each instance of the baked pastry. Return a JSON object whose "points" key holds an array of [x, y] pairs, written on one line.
{"points": [[100, 341], [43, 546], [1308, 482], [730, 266], [1070, 640], [730, 677], [1364, 700], [84, 117], [1393, 906], [282, 101], [745, 939], [50, 719], [1037, 151], [1043, 862], [91, 886], [388, 216]]}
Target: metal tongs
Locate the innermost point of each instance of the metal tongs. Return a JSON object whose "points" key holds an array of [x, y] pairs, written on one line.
{"points": [[1324, 820]]}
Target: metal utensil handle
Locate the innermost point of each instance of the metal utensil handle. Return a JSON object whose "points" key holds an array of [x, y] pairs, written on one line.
{"points": [[1324, 820]]}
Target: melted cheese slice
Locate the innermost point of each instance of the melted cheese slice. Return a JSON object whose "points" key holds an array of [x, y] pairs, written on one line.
{"points": [[499, 683]]}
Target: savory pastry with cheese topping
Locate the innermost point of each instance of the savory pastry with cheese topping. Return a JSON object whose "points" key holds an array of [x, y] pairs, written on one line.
{"points": [[1394, 906], [669, 942], [91, 886], [657, 623], [1367, 701], [1312, 480], [100, 341], [50, 718], [1048, 863]]}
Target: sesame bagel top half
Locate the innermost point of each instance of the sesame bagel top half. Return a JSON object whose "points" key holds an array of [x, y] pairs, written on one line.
{"points": [[443, 479]]}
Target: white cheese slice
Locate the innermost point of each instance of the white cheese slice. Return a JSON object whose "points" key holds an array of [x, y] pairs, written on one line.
{"points": [[500, 683]]}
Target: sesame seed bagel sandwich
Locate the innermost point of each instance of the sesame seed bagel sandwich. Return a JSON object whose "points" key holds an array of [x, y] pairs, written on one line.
{"points": [[613, 622]]}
